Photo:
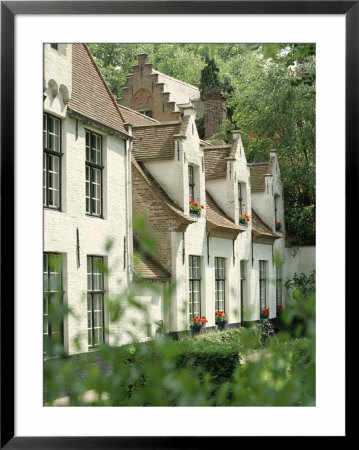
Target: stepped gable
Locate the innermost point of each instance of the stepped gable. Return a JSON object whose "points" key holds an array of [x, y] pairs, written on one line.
{"points": [[156, 140], [91, 97], [135, 118], [146, 267], [262, 234], [215, 162], [181, 92], [144, 92], [218, 223], [258, 173]]}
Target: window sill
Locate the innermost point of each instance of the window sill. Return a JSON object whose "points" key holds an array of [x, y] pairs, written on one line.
{"points": [[95, 217], [51, 208]]}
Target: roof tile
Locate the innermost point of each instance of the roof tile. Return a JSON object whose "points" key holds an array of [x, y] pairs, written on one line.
{"points": [[155, 141], [90, 95], [261, 228], [158, 190], [258, 172], [215, 161], [146, 267], [134, 117]]}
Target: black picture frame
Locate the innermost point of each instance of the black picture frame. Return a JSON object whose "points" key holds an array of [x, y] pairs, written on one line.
{"points": [[9, 10]]}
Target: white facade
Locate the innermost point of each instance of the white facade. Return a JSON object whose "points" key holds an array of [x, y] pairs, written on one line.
{"points": [[71, 231], [68, 230]]}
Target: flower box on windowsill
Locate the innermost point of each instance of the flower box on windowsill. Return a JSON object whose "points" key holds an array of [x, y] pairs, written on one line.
{"points": [[243, 220], [195, 208]]}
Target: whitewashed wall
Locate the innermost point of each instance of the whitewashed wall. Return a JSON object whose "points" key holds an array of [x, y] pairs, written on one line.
{"points": [[60, 226], [300, 260]]}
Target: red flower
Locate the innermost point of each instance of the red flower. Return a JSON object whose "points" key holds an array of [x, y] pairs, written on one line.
{"points": [[195, 204], [202, 206]]}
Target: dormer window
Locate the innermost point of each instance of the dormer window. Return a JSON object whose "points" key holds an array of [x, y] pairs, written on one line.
{"points": [[191, 182]]}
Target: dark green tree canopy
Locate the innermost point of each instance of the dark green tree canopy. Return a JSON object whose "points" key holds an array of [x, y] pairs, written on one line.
{"points": [[270, 96]]}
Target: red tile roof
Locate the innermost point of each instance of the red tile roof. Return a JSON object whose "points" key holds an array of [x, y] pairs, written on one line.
{"points": [[91, 96], [155, 141], [258, 172], [134, 117], [215, 162]]}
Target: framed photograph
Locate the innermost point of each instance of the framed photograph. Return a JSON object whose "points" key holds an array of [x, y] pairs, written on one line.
{"points": [[28, 30]]}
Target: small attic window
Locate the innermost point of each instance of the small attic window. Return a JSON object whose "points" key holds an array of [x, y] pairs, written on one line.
{"points": [[147, 113], [54, 46]]}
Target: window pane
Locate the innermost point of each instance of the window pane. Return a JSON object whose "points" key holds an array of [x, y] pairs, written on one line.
{"points": [[53, 180], [52, 263], [94, 300], [194, 286]]}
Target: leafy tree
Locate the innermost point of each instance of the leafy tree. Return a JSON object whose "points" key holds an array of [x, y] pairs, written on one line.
{"points": [[270, 96]]}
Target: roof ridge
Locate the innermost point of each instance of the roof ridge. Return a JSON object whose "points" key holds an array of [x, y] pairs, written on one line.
{"points": [[175, 79], [157, 123], [112, 98]]}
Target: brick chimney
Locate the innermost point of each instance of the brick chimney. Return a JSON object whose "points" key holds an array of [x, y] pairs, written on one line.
{"points": [[142, 59], [215, 111]]}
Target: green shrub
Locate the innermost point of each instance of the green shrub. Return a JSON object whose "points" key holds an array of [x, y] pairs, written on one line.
{"points": [[219, 362]]}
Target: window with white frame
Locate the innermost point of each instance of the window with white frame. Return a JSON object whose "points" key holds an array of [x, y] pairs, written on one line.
{"points": [[52, 162], [94, 170], [219, 290], [194, 286], [52, 298], [279, 296], [95, 300], [263, 284]]}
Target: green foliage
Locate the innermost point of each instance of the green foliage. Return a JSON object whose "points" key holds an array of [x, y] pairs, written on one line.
{"points": [[209, 76], [270, 95], [305, 284]]}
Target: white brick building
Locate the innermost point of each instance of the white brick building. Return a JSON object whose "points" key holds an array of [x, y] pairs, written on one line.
{"points": [[86, 195], [104, 162]]}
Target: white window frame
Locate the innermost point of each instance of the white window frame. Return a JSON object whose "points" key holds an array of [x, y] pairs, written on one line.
{"points": [[194, 265]]}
